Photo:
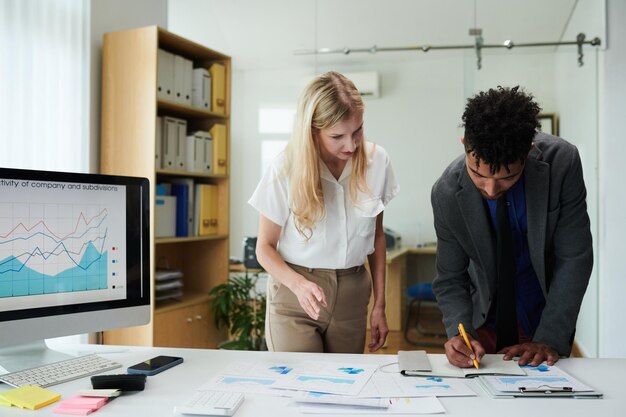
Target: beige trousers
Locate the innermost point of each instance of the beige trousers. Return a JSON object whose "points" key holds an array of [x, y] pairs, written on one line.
{"points": [[340, 327]]}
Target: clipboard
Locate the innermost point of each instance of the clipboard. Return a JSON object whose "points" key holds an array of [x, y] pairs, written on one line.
{"points": [[544, 391], [418, 363], [547, 381]]}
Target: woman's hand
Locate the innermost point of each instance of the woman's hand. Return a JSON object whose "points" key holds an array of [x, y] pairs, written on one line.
{"points": [[378, 329], [310, 296]]}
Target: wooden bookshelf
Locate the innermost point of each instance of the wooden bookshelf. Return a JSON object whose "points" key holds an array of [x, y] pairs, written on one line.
{"points": [[129, 110]]}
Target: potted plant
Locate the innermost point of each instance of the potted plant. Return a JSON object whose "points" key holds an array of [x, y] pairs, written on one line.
{"points": [[237, 305]]}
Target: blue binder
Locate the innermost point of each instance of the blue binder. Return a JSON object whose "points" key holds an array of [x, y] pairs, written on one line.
{"points": [[181, 191]]}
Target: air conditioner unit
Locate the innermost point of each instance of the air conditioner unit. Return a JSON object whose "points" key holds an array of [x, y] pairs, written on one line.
{"points": [[366, 82]]}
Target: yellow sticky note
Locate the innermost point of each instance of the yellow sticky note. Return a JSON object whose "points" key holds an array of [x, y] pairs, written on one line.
{"points": [[31, 397], [4, 402]]}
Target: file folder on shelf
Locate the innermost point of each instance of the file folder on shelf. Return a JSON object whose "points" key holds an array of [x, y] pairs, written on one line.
{"points": [[181, 191], [218, 88], [187, 81], [170, 141], [205, 213], [165, 216], [158, 146], [207, 154], [189, 183], [165, 75], [195, 152], [182, 79], [218, 133], [201, 89], [181, 145]]}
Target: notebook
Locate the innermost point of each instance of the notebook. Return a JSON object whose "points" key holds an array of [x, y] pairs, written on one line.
{"points": [[418, 363]]}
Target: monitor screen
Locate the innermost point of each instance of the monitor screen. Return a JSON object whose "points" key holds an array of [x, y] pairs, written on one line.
{"points": [[74, 254]]}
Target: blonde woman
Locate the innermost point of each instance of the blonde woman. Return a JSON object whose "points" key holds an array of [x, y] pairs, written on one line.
{"points": [[321, 213]]}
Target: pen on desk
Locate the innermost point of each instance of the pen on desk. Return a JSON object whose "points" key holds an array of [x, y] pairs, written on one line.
{"points": [[467, 342]]}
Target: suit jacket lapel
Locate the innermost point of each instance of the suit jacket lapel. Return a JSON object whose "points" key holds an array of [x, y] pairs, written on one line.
{"points": [[537, 177], [472, 207]]}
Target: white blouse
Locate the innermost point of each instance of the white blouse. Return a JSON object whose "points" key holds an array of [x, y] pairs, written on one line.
{"points": [[345, 236]]}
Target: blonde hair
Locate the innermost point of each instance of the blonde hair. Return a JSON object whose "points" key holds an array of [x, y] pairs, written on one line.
{"points": [[329, 99]]}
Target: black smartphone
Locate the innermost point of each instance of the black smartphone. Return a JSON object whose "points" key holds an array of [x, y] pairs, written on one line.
{"points": [[155, 365]]}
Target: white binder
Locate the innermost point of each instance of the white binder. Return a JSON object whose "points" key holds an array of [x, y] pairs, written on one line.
{"points": [[170, 141], [158, 148], [195, 152], [165, 216], [179, 78], [187, 81], [182, 79], [165, 75], [181, 145], [201, 89], [207, 159]]}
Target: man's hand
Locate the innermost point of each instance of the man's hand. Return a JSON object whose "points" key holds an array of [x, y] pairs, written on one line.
{"points": [[459, 354], [378, 329], [531, 354]]}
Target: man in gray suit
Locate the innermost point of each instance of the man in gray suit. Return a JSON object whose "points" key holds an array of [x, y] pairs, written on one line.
{"points": [[515, 276]]}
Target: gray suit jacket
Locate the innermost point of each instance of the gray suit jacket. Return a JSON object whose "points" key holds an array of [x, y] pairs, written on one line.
{"points": [[559, 240]]}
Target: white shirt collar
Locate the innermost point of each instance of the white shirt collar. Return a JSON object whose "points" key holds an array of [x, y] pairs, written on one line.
{"points": [[327, 175]]}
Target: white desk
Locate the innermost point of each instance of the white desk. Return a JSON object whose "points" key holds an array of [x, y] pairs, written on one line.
{"points": [[165, 390]]}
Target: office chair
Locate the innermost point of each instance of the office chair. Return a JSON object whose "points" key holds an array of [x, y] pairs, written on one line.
{"points": [[418, 294]]}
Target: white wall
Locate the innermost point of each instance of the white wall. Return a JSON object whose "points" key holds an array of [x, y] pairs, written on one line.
{"points": [[417, 117], [612, 200], [578, 109], [111, 16]]}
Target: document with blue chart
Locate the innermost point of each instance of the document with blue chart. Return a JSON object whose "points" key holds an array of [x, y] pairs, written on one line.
{"points": [[250, 378], [283, 379], [329, 377]]}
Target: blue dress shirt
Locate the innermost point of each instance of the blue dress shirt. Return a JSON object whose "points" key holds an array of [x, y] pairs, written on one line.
{"points": [[529, 297]]}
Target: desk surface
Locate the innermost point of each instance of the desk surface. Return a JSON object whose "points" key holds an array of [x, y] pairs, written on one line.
{"points": [[394, 254], [242, 268], [165, 390]]}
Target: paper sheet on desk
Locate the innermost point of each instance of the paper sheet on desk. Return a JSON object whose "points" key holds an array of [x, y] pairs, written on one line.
{"points": [[329, 377], [491, 364], [282, 379], [395, 385], [251, 378], [304, 397], [422, 405]]}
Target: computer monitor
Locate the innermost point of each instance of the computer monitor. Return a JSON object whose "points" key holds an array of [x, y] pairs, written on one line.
{"points": [[74, 255]]}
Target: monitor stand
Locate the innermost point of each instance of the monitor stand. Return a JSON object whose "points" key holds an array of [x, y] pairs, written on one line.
{"points": [[29, 355]]}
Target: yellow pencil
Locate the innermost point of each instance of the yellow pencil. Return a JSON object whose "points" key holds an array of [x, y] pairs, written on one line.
{"points": [[467, 342]]}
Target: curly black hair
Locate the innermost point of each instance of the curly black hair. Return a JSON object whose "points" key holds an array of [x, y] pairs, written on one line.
{"points": [[500, 125]]}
